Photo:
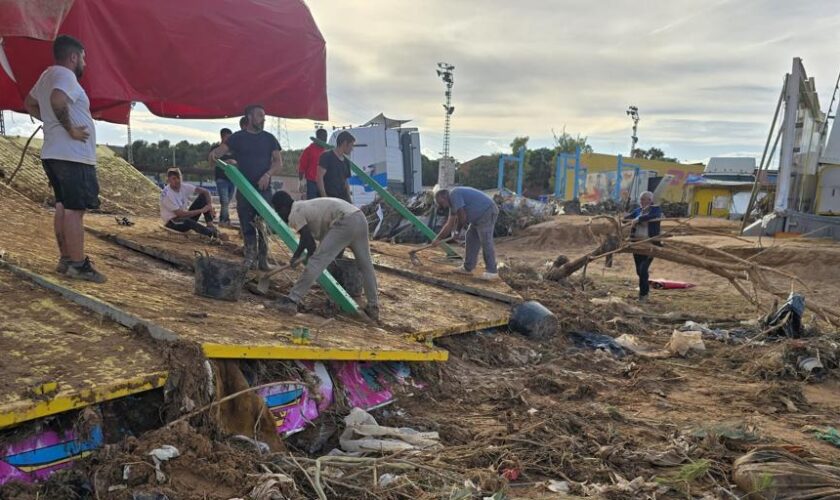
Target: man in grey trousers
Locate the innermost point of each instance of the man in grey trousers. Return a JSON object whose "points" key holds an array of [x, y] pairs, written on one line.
{"points": [[337, 225], [470, 206]]}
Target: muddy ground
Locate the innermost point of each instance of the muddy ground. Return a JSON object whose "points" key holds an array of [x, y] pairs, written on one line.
{"points": [[515, 414]]}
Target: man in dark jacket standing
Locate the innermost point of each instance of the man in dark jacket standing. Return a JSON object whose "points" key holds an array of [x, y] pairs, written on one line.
{"points": [[645, 225]]}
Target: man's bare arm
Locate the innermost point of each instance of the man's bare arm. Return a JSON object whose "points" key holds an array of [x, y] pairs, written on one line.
{"points": [[320, 181], [221, 150], [32, 107], [445, 231], [60, 103], [276, 163], [462, 218]]}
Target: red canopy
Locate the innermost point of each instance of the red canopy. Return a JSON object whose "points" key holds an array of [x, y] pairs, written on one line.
{"points": [[183, 59]]}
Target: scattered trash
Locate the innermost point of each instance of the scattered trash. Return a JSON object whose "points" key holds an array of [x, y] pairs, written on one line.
{"points": [[772, 472], [811, 366], [142, 495], [735, 432], [124, 221], [660, 284], [533, 320], [363, 434], [301, 335], [557, 486], [684, 342], [160, 455], [511, 474], [388, 479], [598, 341], [631, 343], [261, 447], [709, 333], [623, 487], [789, 315], [828, 434], [272, 486]]}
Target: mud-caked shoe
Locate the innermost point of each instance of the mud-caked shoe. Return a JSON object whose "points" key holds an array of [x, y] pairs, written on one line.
{"points": [[85, 271], [63, 264], [463, 270], [286, 305], [488, 276], [372, 311]]}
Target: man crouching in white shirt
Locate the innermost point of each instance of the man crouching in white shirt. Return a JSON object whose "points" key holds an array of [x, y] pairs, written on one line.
{"points": [[177, 212]]}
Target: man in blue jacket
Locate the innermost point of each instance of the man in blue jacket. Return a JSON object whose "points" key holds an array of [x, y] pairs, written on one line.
{"points": [[644, 225]]}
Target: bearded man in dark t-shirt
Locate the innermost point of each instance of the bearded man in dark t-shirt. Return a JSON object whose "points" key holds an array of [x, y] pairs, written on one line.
{"points": [[258, 157]]}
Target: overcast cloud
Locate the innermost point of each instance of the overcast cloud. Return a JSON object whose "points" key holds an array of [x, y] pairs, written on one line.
{"points": [[705, 74]]}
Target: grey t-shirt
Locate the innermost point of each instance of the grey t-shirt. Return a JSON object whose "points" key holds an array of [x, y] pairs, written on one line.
{"points": [[474, 202]]}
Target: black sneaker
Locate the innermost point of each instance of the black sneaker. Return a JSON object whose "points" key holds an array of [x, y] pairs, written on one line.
{"points": [[63, 264], [85, 271], [287, 305]]}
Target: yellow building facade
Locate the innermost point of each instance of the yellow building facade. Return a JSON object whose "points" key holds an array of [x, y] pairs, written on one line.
{"points": [[601, 170]]}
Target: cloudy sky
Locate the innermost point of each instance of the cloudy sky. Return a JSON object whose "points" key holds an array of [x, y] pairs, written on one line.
{"points": [[705, 74]]}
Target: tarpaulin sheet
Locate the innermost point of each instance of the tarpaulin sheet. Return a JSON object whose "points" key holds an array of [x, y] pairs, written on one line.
{"points": [[184, 59]]}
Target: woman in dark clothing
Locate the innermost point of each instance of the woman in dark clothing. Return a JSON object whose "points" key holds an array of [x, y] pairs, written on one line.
{"points": [[645, 224]]}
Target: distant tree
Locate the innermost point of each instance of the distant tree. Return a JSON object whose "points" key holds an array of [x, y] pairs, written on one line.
{"points": [[429, 170], [652, 154], [481, 174], [566, 143], [539, 167], [517, 143]]}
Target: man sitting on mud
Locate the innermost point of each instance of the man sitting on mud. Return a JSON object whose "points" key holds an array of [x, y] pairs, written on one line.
{"points": [[177, 212], [336, 224], [470, 206]]}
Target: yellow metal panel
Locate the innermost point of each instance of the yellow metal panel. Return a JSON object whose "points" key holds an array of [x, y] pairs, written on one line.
{"points": [[32, 409], [318, 353], [467, 327]]}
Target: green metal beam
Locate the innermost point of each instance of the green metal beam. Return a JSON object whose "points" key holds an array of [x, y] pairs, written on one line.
{"points": [[391, 200], [327, 282]]}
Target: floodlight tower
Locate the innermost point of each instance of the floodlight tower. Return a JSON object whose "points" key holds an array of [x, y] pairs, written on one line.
{"points": [[633, 113], [446, 168]]}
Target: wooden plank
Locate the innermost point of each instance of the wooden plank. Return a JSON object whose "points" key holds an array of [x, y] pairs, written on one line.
{"points": [[394, 258], [161, 295], [458, 287], [302, 352], [92, 303], [59, 356], [401, 312], [428, 335]]}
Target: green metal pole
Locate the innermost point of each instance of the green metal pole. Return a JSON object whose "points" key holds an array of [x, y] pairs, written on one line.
{"points": [[392, 201], [336, 292]]}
